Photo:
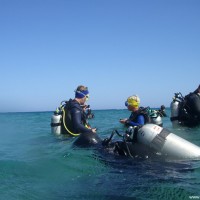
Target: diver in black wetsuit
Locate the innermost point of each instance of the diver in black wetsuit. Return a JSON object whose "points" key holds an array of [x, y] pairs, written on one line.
{"points": [[162, 112], [89, 114], [197, 91], [192, 106], [188, 109], [75, 121]]}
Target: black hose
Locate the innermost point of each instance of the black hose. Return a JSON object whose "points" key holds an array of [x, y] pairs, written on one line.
{"points": [[116, 131], [128, 150]]}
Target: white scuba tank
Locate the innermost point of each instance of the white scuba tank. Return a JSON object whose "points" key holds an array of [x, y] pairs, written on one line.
{"points": [[174, 106], [56, 123], [157, 120], [167, 143]]}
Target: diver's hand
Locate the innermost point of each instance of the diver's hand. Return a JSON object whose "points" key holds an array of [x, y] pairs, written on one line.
{"points": [[94, 130], [123, 121]]}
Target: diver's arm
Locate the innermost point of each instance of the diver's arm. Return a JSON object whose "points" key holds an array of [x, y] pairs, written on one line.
{"points": [[77, 123], [140, 121], [164, 114], [123, 121]]}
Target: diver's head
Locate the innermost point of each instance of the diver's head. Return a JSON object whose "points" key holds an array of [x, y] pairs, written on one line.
{"points": [[81, 94], [162, 107], [133, 102]]}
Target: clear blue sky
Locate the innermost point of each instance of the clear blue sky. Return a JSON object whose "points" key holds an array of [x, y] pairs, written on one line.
{"points": [[115, 47]]}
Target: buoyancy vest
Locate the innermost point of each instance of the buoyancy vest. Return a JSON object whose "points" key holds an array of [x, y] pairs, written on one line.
{"points": [[67, 126], [141, 111]]}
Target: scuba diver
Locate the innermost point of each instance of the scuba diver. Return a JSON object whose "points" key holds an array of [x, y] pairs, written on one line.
{"points": [[70, 117], [89, 114], [185, 111], [197, 91], [138, 116], [162, 112], [75, 119]]}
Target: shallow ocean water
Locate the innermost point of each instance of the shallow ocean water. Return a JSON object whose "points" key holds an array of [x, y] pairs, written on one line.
{"points": [[36, 164]]}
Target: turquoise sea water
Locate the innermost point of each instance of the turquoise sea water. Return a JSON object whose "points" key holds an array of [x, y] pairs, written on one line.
{"points": [[35, 164]]}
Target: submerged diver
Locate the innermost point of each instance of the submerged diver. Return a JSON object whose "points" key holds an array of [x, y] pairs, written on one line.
{"points": [[138, 116], [74, 118], [162, 112]]}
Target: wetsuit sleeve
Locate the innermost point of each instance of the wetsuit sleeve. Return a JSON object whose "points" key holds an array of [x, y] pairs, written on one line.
{"points": [[77, 122], [139, 121], [164, 114]]}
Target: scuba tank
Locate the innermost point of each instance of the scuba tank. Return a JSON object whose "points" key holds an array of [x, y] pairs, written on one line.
{"points": [[157, 120], [175, 108], [154, 117], [167, 143], [56, 119]]}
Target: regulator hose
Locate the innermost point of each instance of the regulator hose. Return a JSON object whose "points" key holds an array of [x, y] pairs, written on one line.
{"points": [[73, 134]]}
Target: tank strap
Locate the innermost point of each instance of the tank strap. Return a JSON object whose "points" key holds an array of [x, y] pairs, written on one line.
{"points": [[158, 142], [55, 124]]}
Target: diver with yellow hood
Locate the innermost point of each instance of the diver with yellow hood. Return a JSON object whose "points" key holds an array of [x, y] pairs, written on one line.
{"points": [[139, 116]]}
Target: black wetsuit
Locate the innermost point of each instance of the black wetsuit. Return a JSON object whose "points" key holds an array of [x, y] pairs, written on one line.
{"points": [[162, 113], [75, 118], [189, 113]]}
